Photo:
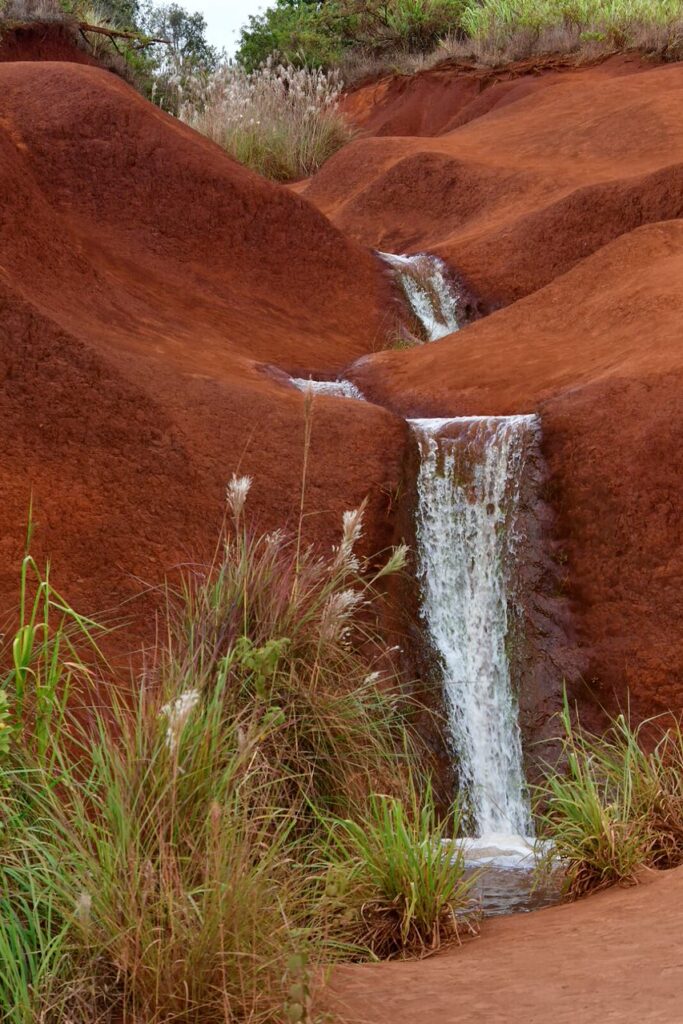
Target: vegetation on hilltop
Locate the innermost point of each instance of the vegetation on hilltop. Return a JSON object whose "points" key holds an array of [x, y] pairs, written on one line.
{"points": [[276, 107], [366, 35], [156, 46]]}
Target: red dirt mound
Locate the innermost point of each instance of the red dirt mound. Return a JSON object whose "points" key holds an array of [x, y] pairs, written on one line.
{"points": [[145, 280], [539, 173], [528, 178]]}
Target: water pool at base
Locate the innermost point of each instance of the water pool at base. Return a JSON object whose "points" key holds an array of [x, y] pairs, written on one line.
{"points": [[507, 882]]}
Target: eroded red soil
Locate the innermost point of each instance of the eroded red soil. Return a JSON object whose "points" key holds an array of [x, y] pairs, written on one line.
{"points": [[556, 196], [613, 958], [149, 286], [145, 281]]}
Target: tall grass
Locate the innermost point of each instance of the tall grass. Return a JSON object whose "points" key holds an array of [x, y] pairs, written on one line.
{"points": [[618, 807], [518, 28], [161, 837], [281, 121], [496, 32]]}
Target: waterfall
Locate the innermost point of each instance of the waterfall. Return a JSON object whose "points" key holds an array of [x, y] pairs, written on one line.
{"points": [[335, 388], [429, 291], [468, 499]]}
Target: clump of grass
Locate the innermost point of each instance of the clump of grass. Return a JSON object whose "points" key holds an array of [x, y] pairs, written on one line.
{"points": [[168, 865], [395, 882], [618, 807], [288, 637], [281, 121], [156, 838]]}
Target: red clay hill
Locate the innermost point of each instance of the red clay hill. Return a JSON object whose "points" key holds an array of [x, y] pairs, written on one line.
{"points": [[149, 286], [556, 195], [146, 282]]}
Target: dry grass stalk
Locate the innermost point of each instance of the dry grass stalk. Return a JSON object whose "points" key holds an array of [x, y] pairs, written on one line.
{"points": [[281, 121]]}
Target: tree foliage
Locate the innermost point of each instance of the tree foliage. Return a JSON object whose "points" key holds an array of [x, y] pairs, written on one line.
{"points": [[306, 33]]}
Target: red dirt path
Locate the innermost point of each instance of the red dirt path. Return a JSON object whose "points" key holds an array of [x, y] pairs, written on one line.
{"points": [[614, 958]]}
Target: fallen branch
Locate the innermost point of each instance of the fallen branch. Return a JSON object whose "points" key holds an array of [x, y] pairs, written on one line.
{"points": [[114, 33]]}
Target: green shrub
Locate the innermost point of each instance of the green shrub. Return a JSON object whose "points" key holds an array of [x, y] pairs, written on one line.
{"points": [[305, 34], [300, 34]]}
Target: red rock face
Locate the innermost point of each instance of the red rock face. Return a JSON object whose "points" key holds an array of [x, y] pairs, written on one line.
{"points": [[145, 282], [538, 199], [150, 288], [44, 41]]}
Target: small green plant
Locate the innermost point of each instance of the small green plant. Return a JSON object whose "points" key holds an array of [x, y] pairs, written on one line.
{"points": [[395, 882], [617, 808]]}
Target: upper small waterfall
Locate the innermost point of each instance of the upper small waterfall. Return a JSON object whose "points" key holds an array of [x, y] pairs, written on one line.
{"points": [[336, 388], [468, 499], [429, 290]]}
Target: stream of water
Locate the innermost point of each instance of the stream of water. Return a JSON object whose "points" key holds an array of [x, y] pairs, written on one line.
{"points": [[430, 291], [468, 493], [336, 388], [469, 486]]}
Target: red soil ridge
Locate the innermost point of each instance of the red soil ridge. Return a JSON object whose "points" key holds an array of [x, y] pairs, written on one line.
{"points": [[145, 280], [564, 191]]}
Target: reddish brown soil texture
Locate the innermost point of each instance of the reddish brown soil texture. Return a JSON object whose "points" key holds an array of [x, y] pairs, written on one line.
{"points": [[512, 181], [561, 191], [146, 282], [611, 959], [44, 41]]}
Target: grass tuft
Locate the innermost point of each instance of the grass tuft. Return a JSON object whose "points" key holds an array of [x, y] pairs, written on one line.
{"points": [[395, 882], [618, 807]]}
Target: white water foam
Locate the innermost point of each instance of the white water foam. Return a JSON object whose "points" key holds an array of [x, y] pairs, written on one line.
{"points": [[335, 388], [468, 497], [429, 290]]}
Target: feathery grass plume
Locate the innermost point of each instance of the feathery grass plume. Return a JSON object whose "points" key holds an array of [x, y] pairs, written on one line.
{"points": [[237, 492], [176, 713], [281, 121]]}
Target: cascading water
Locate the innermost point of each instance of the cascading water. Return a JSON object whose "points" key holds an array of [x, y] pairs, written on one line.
{"points": [[469, 490], [335, 388], [429, 290], [468, 498]]}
